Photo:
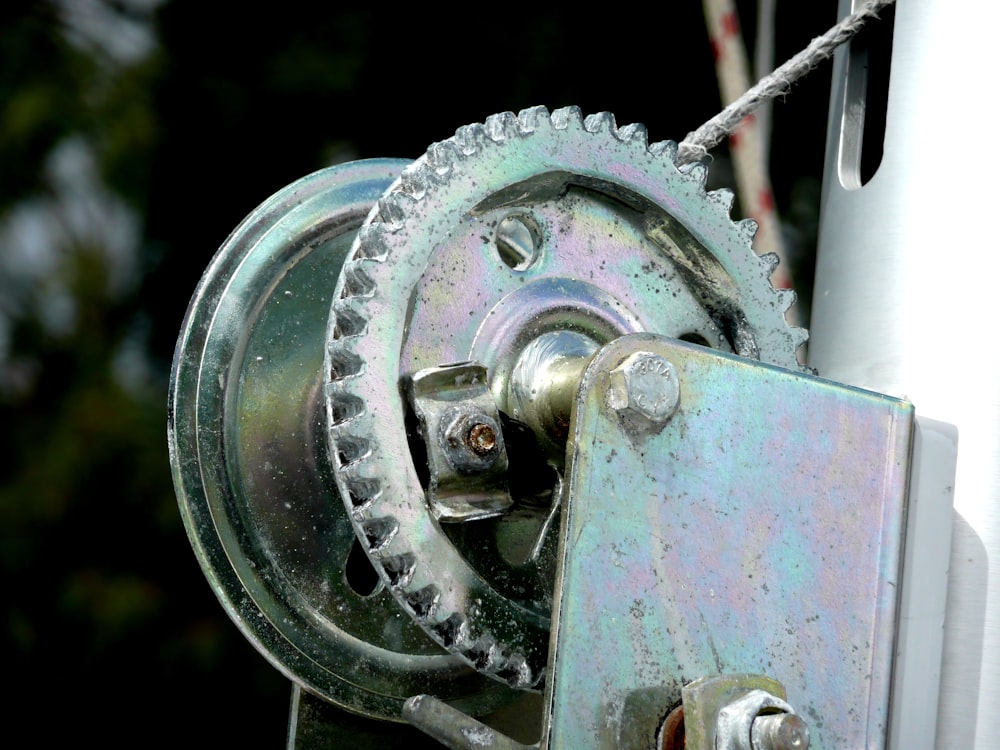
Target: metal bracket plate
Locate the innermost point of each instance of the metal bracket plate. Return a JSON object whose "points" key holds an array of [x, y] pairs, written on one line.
{"points": [[760, 531]]}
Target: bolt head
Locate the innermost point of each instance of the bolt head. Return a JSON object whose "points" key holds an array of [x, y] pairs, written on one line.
{"points": [[481, 438], [472, 442], [644, 388]]}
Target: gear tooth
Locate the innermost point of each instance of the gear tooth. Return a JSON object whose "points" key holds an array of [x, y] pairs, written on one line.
{"points": [[786, 298], [441, 158], [361, 491], [769, 262], [748, 229], [502, 126], [515, 672], [371, 243], [453, 631], [799, 336], [347, 321], [601, 122], [413, 184], [664, 149], [696, 171], [724, 197], [357, 283], [344, 363], [379, 531], [343, 407], [470, 138], [424, 601], [530, 118], [399, 568], [634, 132], [564, 117], [483, 654], [351, 449], [392, 209]]}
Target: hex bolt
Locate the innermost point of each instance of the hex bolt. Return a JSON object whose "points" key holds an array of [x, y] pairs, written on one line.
{"points": [[783, 731], [644, 389]]}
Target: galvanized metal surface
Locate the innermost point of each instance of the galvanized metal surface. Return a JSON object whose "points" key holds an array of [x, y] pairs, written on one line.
{"points": [[542, 387], [760, 531], [510, 230], [905, 286], [250, 462]]}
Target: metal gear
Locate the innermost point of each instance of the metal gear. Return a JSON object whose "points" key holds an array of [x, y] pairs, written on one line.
{"points": [[511, 230]]}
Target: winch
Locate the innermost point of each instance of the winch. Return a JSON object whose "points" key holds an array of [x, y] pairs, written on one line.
{"points": [[513, 443]]}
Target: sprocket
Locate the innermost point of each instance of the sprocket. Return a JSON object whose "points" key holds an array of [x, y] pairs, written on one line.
{"points": [[508, 231]]}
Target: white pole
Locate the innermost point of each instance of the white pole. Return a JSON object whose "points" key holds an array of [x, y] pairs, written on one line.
{"points": [[905, 298]]}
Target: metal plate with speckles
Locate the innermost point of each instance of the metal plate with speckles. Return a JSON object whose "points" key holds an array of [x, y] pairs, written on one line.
{"points": [[760, 531]]}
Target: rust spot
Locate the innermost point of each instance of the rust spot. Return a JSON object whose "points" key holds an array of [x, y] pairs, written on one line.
{"points": [[481, 439], [672, 733]]}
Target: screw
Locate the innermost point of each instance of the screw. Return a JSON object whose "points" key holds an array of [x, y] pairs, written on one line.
{"points": [[471, 442], [780, 732], [481, 439], [645, 389], [517, 242]]}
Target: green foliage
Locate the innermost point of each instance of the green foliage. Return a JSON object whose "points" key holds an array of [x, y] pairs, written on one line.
{"points": [[101, 590], [39, 104]]}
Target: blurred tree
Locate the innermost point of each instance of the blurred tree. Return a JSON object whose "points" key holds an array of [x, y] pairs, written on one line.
{"points": [[107, 621]]}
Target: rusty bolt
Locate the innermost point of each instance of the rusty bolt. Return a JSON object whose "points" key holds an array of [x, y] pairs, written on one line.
{"points": [[471, 442], [644, 389], [482, 439]]}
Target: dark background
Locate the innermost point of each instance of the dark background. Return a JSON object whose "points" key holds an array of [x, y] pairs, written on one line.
{"points": [[108, 628]]}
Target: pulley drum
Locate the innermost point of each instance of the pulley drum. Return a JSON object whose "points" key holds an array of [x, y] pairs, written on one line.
{"points": [[252, 470]]}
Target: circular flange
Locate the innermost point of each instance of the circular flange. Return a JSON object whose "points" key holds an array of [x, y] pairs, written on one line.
{"points": [[508, 231], [252, 471]]}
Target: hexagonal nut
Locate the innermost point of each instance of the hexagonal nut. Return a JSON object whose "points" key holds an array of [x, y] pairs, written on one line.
{"points": [[644, 389]]}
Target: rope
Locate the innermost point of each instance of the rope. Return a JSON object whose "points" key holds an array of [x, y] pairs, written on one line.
{"points": [[697, 143]]}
